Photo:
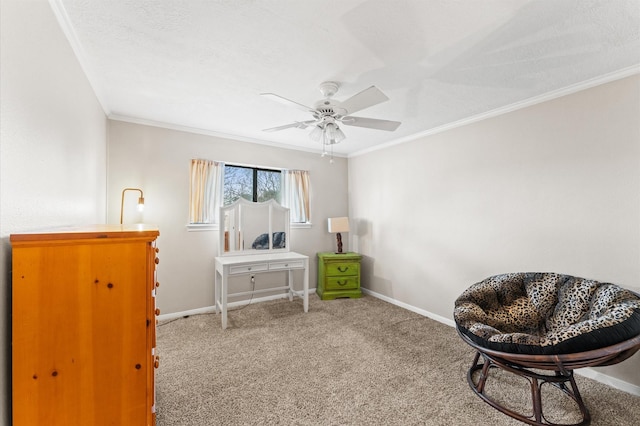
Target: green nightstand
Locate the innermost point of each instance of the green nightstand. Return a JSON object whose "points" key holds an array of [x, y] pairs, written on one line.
{"points": [[338, 275]]}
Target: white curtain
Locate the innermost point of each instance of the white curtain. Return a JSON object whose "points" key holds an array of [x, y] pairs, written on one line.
{"points": [[205, 191], [295, 194]]}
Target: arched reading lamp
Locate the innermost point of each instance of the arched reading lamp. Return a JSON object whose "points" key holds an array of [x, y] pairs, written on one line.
{"points": [[140, 201]]}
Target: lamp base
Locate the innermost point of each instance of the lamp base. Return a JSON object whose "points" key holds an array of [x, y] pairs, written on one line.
{"points": [[339, 238]]}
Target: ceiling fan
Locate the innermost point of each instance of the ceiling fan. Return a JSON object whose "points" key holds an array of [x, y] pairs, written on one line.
{"points": [[329, 113]]}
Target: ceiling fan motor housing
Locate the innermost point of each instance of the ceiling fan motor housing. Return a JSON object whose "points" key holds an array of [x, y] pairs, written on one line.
{"points": [[329, 107]]}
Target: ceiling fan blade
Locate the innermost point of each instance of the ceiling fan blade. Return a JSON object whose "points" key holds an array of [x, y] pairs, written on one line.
{"points": [[288, 102], [371, 123], [365, 99], [297, 125]]}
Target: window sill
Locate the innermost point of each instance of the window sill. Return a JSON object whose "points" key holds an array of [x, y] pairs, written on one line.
{"points": [[197, 227], [298, 225]]}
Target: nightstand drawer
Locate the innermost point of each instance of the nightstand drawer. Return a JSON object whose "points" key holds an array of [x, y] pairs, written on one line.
{"points": [[342, 283], [245, 269], [342, 268], [291, 264]]}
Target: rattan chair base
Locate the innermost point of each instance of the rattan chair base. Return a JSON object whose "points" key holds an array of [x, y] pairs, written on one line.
{"points": [[561, 365], [563, 381]]}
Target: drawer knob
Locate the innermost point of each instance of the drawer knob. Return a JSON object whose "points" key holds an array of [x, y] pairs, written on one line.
{"points": [[157, 284], [157, 311], [157, 260], [343, 268], [249, 268], [156, 363]]}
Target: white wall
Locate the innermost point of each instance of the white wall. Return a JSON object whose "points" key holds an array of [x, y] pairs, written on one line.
{"points": [[53, 143], [552, 187], [157, 161]]}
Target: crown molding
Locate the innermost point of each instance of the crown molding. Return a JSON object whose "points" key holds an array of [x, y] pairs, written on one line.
{"points": [[584, 85], [187, 129]]}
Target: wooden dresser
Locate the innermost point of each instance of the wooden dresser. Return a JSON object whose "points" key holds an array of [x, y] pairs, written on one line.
{"points": [[338, 275], [83, 326]]}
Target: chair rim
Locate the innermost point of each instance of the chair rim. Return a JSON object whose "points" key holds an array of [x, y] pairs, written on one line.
{"points": [[602, 356]]}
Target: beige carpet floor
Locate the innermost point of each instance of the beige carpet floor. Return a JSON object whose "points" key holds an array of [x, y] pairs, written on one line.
{"points": [[345, 362]]}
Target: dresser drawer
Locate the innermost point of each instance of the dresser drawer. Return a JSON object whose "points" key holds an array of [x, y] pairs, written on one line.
{"points": [[246, 269], [342, 268], [292, 264], [342, 283]]}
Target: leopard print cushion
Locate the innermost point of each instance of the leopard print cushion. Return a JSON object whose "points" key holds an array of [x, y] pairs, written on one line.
{"points": [[546, 313]]}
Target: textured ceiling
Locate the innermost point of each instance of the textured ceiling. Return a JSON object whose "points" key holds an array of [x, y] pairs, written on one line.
{"points": [[203, 64]]}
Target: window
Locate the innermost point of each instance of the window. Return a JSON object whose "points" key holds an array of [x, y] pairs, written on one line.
{"points": [[251, 183], [213, 184]]}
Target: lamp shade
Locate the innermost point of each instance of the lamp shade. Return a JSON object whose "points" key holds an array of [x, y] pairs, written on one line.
{"points": [[338, 224], [316, 134], [333, 134]]}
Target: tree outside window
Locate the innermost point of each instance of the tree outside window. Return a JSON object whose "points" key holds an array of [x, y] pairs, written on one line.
{"points": [[251, 183]]}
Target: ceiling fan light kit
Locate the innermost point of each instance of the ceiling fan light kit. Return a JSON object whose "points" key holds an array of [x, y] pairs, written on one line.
{"points": [[328, 114]]}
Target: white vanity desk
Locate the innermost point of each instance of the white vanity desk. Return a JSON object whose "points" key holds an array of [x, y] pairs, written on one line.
{"points": [[254, 264], [254, 239]]}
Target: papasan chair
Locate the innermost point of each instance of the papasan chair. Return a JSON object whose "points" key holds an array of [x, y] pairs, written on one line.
{"points": [[542, 326]]}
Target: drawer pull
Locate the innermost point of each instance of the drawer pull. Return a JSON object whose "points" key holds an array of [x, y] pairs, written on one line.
{"points": [[342, 283], [340, 268], [249, 268]]}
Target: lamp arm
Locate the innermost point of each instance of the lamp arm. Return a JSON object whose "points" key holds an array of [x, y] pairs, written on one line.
{"points": [[140, 200]]}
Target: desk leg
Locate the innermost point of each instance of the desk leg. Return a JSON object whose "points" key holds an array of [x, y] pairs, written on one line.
{"points": [[216, 292], [305, 287], [290, 284], [224, 300]]}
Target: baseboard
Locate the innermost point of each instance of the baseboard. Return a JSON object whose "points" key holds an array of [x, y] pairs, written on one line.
{"points": [[585, 372], [212, 309], [406, 306], [190, 312], [591, 373]]}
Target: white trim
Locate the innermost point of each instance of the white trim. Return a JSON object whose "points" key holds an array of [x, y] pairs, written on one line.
{"points": [[408, 307], [184, 314], [587, 84], [187, 129], [610, 381], [67, 28], [301, 225], [586, 372], [197, 227], [211, 309]]}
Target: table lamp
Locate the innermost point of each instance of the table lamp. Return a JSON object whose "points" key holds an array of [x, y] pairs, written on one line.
{"points": [[336, 226]]}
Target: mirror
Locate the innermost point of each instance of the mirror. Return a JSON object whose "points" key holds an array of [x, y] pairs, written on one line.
{"points": [[253, 228]]}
